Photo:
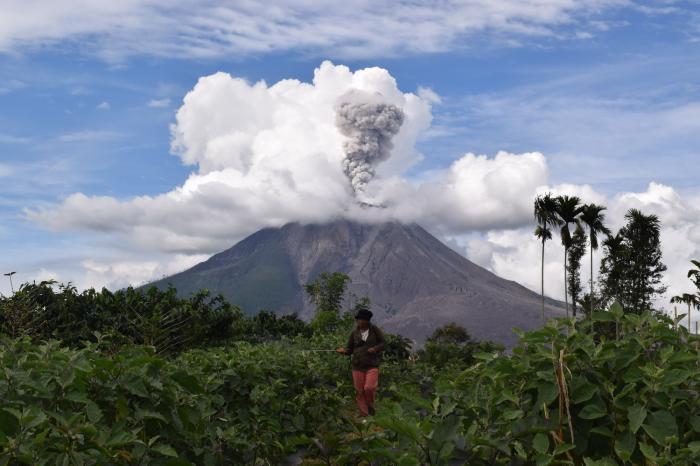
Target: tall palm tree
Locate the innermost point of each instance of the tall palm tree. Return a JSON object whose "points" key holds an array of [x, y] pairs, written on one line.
{"points": [[568, 210], [690, 300], [694, 274], [593, 217], [546, 216]]}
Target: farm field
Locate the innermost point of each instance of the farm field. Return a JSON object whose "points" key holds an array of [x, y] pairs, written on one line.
{"points": [[618, 389]]}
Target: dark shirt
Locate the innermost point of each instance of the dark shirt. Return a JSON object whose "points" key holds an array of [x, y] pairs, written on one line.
{"points": [[361, 359]]}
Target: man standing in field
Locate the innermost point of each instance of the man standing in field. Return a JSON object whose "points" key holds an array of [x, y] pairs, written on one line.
{"points": [[365, 343]]}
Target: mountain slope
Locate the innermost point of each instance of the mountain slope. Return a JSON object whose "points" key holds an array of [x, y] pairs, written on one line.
{"points": [[415, 282]]}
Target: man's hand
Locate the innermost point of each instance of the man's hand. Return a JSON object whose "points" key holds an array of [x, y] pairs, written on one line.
{"points": [[372, 350], [341, 351]]}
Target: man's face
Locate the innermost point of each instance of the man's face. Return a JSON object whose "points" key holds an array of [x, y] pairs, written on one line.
{"points": [[362, 324]]}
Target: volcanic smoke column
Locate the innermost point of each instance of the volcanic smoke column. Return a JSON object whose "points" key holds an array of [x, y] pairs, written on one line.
{"points": [[369, 124]]}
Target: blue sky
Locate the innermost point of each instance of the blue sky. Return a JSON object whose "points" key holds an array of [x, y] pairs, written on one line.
{"points": [[608, 91]]}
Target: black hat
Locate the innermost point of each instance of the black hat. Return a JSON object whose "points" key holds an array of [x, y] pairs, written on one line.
{"points": [[363, 314]]}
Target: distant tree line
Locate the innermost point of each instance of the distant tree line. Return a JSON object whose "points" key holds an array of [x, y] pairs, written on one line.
{"points": [[631, 269], [154, 317], [171, 324]]}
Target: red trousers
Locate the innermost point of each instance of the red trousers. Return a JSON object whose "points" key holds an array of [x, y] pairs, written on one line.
{"points": [[365, 388]]}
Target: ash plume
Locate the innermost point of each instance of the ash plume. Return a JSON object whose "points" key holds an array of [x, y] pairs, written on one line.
{"points": [[369, 124]]}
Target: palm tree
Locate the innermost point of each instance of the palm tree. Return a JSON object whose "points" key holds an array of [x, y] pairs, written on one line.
{"points": [[568, 210], [546, 216], [689, 299], [592, 216], [694, 274]]}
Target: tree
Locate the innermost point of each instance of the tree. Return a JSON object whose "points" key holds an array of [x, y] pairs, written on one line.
{"points": [[568, 209], [642, 234], [450, 333], [631, 270], [612, 268], [690, 300], [546, 216], [694, 274], [577, 250], [452, 344], [585, 302], [592, 216], [327, 293]]}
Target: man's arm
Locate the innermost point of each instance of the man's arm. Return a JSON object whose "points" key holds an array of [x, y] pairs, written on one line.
{"points": [[380, 341]]}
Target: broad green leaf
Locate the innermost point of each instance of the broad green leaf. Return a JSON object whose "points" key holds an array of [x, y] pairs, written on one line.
{"points": [[648, 451], [625, 445], [583, 391], [187, 381], [446, 430], [546, 393], [165, 450], [675, 377], [563, 448], [512, 414], [94, 414], [636, 415], [540, 442], [602, 430], [592, 411], [400, 426], [660, 425], [136, 386]]}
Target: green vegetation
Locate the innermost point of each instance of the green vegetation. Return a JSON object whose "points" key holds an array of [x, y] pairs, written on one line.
{"points": [[632, 270], [546, 216], [127, 378], [577, 248], [586, 398]]}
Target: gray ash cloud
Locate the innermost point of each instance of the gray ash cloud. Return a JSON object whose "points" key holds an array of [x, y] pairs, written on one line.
{"points": [[369, 124]]}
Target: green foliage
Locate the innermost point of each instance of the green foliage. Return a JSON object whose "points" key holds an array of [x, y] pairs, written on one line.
{"points": [[632, 270], [450, 333], [266, 326], [396, 347], [577, 249], [327, 291], [559, 399], [621, 388], [157, 318], [451, 344]]}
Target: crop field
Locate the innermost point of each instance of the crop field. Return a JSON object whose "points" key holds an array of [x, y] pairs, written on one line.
{"points": [[614, 389]]}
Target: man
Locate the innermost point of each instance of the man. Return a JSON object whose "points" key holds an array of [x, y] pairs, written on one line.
{"points": [[365, 343]]}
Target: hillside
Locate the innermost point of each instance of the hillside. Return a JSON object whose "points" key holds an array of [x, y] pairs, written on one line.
{"points": [[415, 282]]}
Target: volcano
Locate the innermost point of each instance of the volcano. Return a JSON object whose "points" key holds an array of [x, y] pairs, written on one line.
{"points": [[414, 281]]}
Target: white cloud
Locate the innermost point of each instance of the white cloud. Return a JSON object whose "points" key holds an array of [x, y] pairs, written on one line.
{"points": [[516, 253], [114, 274], [104, 105], [89, 136], [348, 29], [265, 155], [159, 103]]}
